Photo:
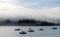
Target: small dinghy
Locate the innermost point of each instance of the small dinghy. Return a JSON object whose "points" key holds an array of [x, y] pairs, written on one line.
{"points": [[17, 29], [30, 30], [41, 29], [54, 28], [22, 32]]}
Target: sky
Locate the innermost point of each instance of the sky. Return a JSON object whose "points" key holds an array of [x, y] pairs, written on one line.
{"points": [[32, 9]]}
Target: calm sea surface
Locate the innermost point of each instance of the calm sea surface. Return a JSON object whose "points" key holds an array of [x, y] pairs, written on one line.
{"points": [[9, 31]]}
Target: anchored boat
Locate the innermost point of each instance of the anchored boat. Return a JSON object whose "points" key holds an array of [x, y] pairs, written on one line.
{"points": [[41, 29], [17, 29], [30, 30], [54, 28], [22, 32]]}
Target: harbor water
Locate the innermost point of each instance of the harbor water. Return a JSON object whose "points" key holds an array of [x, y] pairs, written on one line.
{"points": [[9, 31]]}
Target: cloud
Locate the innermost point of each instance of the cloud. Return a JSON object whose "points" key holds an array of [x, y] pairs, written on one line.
{"points": [[11, 9], [34, 4]]}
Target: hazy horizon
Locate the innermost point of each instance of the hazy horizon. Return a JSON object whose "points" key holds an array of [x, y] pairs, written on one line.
{"points": [[30, 9]]}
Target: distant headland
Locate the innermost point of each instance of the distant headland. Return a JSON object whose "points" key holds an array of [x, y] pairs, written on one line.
{"points": [[27, 22]]}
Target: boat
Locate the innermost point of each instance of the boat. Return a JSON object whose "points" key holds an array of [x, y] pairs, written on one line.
{"points": [[30, 30], [22, 32], [41, 29], [17, 29], [54, 28]]}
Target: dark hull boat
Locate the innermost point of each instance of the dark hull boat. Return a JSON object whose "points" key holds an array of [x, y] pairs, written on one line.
{"points": [[17, 29], [30, 30], [54, 28], [41, 29], [22, 32]]}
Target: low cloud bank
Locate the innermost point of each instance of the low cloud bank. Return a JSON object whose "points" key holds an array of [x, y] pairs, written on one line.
{"points": [[11, 11]]}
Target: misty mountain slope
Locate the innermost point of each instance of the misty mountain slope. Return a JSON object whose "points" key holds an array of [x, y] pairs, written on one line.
{"points": [[27, 22]]}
